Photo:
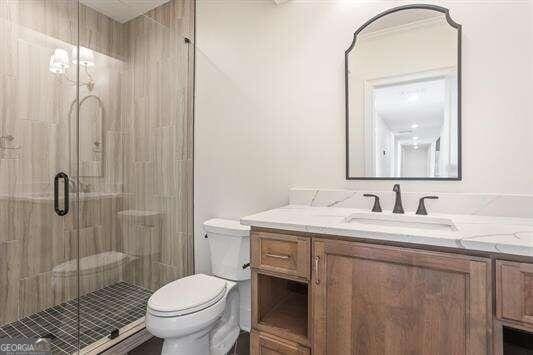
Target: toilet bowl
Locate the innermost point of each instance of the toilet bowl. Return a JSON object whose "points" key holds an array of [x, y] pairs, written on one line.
{"points": [[184, 313], [200, 314]]}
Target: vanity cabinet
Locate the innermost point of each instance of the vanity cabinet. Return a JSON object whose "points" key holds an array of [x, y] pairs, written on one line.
{"points": [[332, 296], [373, 299]]}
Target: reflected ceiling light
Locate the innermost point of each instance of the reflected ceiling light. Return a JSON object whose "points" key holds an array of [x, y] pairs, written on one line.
{"points": [[59, 63], [415, 147], [415, 138], [86, 56], [414, 126]]}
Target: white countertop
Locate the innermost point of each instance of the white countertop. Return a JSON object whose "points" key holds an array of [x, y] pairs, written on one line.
{"points": [[480, 233]]}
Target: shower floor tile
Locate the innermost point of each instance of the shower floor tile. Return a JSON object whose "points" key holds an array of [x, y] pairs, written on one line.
{"points": [[101, 312]]}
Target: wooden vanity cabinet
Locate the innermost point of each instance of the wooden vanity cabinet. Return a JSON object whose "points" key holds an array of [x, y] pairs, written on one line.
{"points": [[378, 300], [336, 297]]}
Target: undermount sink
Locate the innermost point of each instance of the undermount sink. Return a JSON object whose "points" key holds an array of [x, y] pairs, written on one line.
{"points": [[402, 220]]}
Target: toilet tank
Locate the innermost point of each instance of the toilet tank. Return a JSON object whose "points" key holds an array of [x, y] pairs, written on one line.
{"points": [[229, 244]]}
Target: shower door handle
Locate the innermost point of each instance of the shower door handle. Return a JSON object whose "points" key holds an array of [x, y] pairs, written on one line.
{"points": [[64, 210]]}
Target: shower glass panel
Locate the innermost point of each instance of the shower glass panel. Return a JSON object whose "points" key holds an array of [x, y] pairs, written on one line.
{"points": [[38, 247], [134, 162]]}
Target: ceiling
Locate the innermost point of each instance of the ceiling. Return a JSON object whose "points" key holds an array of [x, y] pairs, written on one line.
{"points": [[420, 103], [123, 10]]}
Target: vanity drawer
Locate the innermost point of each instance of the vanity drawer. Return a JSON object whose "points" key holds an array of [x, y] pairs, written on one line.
{"points": [[263, 344], [514, 291], [283, 253]]}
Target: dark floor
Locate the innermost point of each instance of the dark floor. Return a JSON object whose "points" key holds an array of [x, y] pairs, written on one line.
{"points": [[100, 313], [154, 345]]}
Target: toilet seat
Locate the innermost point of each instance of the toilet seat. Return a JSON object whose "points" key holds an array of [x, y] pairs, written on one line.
{"points": [[188, 295]]}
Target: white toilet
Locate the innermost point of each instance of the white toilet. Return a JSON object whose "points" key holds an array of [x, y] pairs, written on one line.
{"points": [[202, 314]]}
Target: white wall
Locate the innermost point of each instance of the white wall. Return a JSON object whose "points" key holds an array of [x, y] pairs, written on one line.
{"points": [[270, 101]]}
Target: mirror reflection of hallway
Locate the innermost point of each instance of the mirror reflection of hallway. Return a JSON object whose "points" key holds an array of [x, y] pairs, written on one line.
{"points": [[408, 118], [415, 160]]}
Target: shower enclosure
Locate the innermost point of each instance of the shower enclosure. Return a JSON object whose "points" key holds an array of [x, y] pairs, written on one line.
{"points": [[96, 127]]}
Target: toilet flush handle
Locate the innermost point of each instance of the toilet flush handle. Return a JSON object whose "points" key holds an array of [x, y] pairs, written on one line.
{"points": [[245, 266]]}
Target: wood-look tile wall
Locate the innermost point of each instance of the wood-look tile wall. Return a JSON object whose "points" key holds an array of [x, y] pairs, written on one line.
{"points": [[144, 78], [158, 160]]}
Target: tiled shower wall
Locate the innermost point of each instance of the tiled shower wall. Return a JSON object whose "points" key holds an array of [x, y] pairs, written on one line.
{"points": [[143, 76], [34, 103]]}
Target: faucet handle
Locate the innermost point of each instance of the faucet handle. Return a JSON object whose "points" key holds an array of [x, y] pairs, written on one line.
{"points": [[421, 210], [377, 206]]}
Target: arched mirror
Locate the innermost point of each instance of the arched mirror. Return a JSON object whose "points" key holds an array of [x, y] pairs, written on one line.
{"points": [[403, 96]]}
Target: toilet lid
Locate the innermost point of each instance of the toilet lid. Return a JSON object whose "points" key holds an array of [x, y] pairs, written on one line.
{"points": [[187, 295]]}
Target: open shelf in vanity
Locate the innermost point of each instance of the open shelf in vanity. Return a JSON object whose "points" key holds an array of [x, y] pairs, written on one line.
{"points": [[282, 306]]}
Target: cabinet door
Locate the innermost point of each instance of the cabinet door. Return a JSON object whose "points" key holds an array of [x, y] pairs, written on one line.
{"points": [[380, 300], [262, 344], [514, 291]]}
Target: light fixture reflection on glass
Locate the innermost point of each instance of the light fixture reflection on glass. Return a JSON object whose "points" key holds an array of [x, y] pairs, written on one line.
{"points": [[414, 126], [415, 138], [59, 63], [415, 147], [86, 56]]}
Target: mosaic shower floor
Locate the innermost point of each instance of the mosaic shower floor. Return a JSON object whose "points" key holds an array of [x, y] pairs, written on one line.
{"points": [[101, 312]]}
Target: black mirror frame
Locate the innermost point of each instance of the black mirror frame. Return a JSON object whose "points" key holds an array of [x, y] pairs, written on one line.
{"points": [[452, 23]]}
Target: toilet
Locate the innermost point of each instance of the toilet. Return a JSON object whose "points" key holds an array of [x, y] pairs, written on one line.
{"points": [[203, 314]]}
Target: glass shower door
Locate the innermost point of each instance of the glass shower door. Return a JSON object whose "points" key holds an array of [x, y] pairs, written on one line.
{"points": [[38, 226]]}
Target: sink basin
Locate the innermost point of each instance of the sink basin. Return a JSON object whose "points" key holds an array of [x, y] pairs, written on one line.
{"points": [[402, 221]]}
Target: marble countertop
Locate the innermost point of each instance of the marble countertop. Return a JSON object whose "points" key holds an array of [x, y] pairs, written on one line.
{"points": [[506, 235]]}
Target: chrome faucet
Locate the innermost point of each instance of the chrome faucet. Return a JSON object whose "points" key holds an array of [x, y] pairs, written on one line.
{"points": [[398, 208]]}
